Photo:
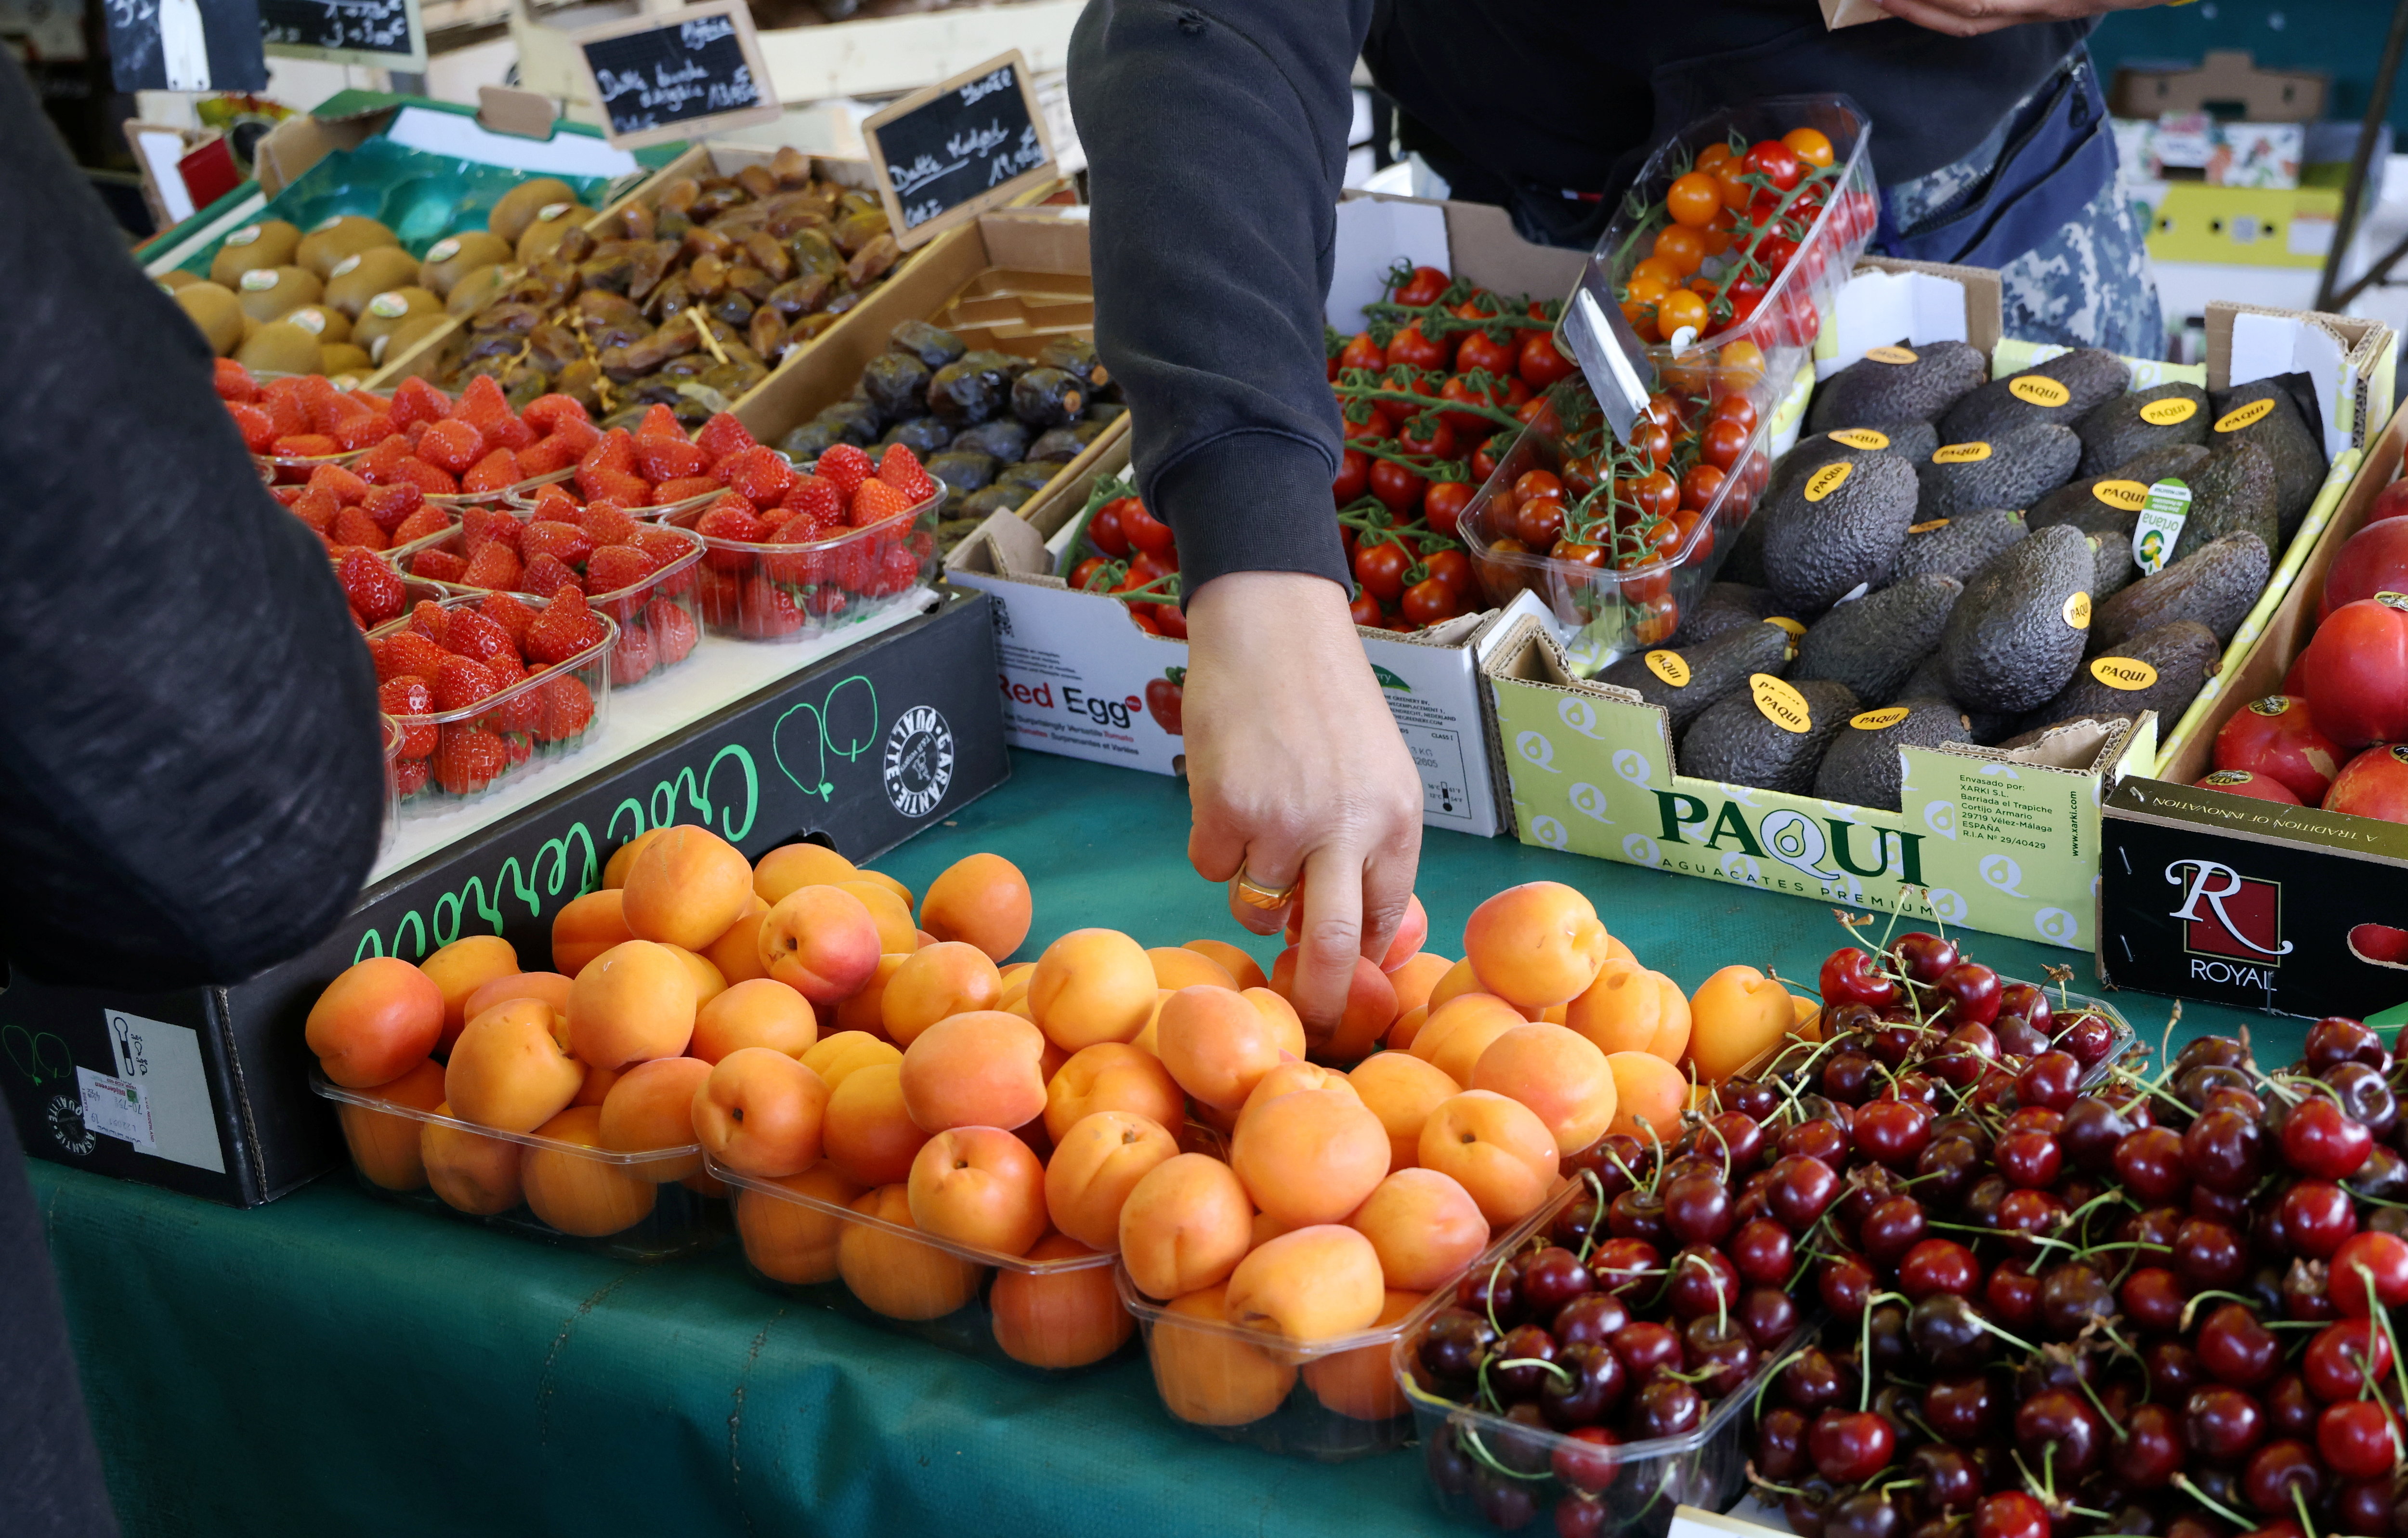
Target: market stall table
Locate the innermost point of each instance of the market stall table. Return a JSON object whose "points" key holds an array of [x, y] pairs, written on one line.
{"points": [[335, 1362]]}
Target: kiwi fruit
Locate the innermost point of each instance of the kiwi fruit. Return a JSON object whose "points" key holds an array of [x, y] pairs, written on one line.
{"points": [[269, 292], [515, 209], [175, 277], [280, 347], [343, 358], [216, 310], [384, 314], [269, 243], [365, 274], [552, 225], [342, 235], [474, 291], [397, 343], [329, 325], [454, 257]]}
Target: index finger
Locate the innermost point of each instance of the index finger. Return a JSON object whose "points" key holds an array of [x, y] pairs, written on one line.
{"points": [[1331, 941]]}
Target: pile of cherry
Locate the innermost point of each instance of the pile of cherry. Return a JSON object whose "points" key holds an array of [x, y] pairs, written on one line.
{"points": [[2065, 1298]]}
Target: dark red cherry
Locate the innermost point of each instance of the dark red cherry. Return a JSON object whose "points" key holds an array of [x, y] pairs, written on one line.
{"points": [[2089, 1132], [2236, 1348], [1551, 1278], [1967, 994], [2060, 1424], [2290, 1409], [1949, 1481], [2282, 1476], [1763, 1251], [2152, 1449], [1639, 1215], [2149, 1163], [1647, 1348], [1960, 1408], [1698, 1209], [1814, 1380], [1924, 957], [1591, 1389], [2011, 1513], [1947, 1169], [2358, 1438], [2171, 1369], [2321, 1141], [1802, 1190], [1894, 1131], [2365, 1095], [2209, 1256], [2050, 1080], [1666, 1407], [1851, 976], [2316, 1218], [2338, 1358], [2071, 1295], [2336, 1040], [1892, 1229], [1515, 1375], [1850, 1446], [2224, 1151], [1590, 1319], [2025, 1004], [1936, 1266], [1703, 1281], [1769, 1316], [2087, 1036], [1740, 1137], [2029, 1159], [2153, 1299], [1948, 1333], [1844, 1282], [1621, 1265], [1780, 1444], [1818, 1138], [1585, 1460], [2012, 1294]]}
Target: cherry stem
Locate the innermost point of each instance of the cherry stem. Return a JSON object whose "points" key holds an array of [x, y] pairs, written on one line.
{"points": [[1471, 1440], [1562, 1376], [2191, 1308], [2299, 1498], [1597, 1224], [1488, 1296], [1865, 1350], [2183, 1483], [2092, 1395], [1756, 1410], [1990, 1328]]}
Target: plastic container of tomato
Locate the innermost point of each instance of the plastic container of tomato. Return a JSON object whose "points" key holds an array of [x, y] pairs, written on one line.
{"points": [[635, 1206], [1052, 1317], [794, 592], [659, 618]]}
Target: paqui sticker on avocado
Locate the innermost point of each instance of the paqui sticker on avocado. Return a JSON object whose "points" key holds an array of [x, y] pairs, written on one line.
{"points": [[1874, 721], [1672, 667], [2123, 496], [1862, 437], [2037, 390], [1890, 354], [2171, 411], [2129, 674], [1781, 705], [1830, 478], [2077, 611], [2245, 416], [1960, 453]]}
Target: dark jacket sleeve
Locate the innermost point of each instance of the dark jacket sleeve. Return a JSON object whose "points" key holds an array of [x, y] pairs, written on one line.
{"points": [[191, 775], [1215, 133]]}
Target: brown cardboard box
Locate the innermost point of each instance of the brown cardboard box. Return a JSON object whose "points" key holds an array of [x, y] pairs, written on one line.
{"points": [[2226, 78]]}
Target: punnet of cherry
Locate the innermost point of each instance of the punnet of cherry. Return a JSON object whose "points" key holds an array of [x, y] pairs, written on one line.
{"points": [[1962, 1260]]}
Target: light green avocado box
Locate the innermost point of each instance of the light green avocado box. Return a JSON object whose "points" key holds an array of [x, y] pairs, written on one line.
{"points": [[2002, 842]]}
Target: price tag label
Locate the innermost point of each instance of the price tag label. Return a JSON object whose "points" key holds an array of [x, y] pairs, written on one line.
{"points": [[961, 146], [1781, 705], [1862, 437], [2245, 416], [114, 1107], [1960, 453], [1830, 478], [686, 74], [1890, 354], [2169, 411], [2163, 512], [2129, 674], [2039, 390], [1874, 721], [1672, 667]]}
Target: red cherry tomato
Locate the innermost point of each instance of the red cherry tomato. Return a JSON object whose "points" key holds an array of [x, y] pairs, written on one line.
{"points": [[1354, 477], [1365, 611], [1776, 163], [1104, 530], [1411, 348], [1737, 408], [1539, 522], [1374, 428], [1775, 251], [1479, 351], [1700, 484], [1443, 505], [1656, 494], [1579, 554], [1423, 288], [1147, 532], [1531, 483], [1381, 569], [1723, 441], [1466, 426], [1437, 444], [1452, 568], [1483, 458], [1430, 601], [1542, 362], [1086, 570], [1171, 619], [1361, 351], [1397, 488]]}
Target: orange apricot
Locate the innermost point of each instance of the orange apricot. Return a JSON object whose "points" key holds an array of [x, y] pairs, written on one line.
{"points": [[385, 1146], [614, 871], [832, 1058], [586, 927], [737, 954], [761, 1112], [552, 987], [579, 1194], [897, 933], [1536, 944], [463, 966], [1736, 1016], [898, 1277], [375, 1021], [821, 942], [901, 893], [1454, 1036], [1058, 1318], [982, 901], [652, 1108], [1810, 1017], [709, 983], [1218, 1044], [1290, 1078], [1559, 1074], [1361, 1384], [1184, 1224], [1092, 986], [980, 1186], [633, 1002], [1310, 1157], [1402, 1090], [1244, 969], [1457, 979], [944, 979], [869, 1132], [1630, 1009], [1415, 976], [757, 1012], [791, 866], [1412, 931], [1100, 1160], [1424, 1226], [1309, 1284], [1206, 1376], [1496, 1149], [792, 1241], [596, 1087], [508, 1070], [1109, 1076], [471, 1172], [866, 1011], [1176, 966], [1648, 1092], [1015, 979], [984, 1069], [686, 888], [1370, 1007], [1287, 1026], [1409, 1024]]}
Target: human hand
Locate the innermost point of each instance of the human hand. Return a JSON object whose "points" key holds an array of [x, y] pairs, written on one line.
{"points": [[1296, 772], [1972, 18]]}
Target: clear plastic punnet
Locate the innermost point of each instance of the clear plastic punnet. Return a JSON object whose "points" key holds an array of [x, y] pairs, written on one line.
{"points": [[659, 618], [795, 593]]}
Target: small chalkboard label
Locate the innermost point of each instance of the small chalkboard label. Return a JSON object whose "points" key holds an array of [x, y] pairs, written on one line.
{"points": [[185, 45], [683, 75], [383, 33], [961, 146]]}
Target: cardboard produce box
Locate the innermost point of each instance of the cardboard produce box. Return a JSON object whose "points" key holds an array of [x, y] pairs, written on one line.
{"points": [[205, 1090]]}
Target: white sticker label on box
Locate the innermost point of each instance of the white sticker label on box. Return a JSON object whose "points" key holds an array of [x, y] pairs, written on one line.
{"points": [[2160, 526], [166, 1061], [114, 1108]]}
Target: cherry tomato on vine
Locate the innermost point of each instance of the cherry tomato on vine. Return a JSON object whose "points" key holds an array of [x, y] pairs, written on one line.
{"points": [[1414, 350], [1479, 306], [1086, 570], [1717, 233], [1542, 362], [1810, 145], [1423, 288], [1652, 443], [1361, 351], [1539, 522], [1171, 619], [1478, 349], [1354, 477], [1777, 163], [1656, 494], [1104, 530], [1381, 568], [1465, 423], [1398, 489], [1698, 544], [1578, 553], [1694, 199], [1777, 252], [1451, 567], [1737, 408], [1365, 611], [1723, 441], [1517, 395], [1736, 192], [1374, 427], [1438, 443], [1143, 622], [1410, 382], [1658, 269], [1483, 458], [1803, 211], [1663, 536], [1700, 482], [1145, 531], [1531, 483], [1430, 601], [1680, 311], [1713, 157], [1443, 505], [1681, 246]]}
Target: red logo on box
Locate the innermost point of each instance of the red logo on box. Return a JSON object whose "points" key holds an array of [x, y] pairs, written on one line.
{"points": [[2224, 913]]}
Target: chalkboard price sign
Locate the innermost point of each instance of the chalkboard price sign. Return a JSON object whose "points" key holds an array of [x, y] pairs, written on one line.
{"points": [[383, 34], [683, 75], [958, 148]]}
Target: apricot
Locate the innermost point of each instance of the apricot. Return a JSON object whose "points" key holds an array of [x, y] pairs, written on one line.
{"points": [[614, 871], [1496, 1149], [632, 1003], [1015, 980], [1310, 1157], [1630, 1009], [1097, 1163], [761, 1112], [832, 1058], [1412, 930], [790, 868], [1736, 1016], [1290, 1078], [552, 987], [898, 1277], [1648, 1092], [1092, 986], [982, 901], [897, 933], [793, 1242], [1310, 1283], [821, 942], [984, 1069], [1415, 976], [1361, 1384], [1176, 966], [1456, 980], [579, 1194], [1057, 1318], [737, 954], [1424, 1226], [1185, 1225], [508, 1070], [472, 1174], [1810, 1017], [375, 1021], [1218, 1044], [1616, 951], [869, 1132], [1109, 1076], [384, 1146], [901, 893], [1407, 1027], [463, 966], [980, 1186], [1206, 1376], [758, 1012], [1556, 1073], [947, 978], [1536, 944], [1370, 1007], [596, 1087], [586, 927], [1266, 1229], [1246, 971], [708, 984], [652, 1108], [866, 1011], [1287, 1026], [1402, 1090], [1456, 1034]]}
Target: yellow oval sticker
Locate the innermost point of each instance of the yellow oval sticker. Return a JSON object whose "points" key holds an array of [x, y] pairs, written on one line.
{"points": [[2271, 705], [2077, 611], [2167, 412], [1796, 628], [1672, 667], [1781, 705], [1874, 721], [1890, 354], [2039, 390], [1927, 526], [2227, 777], [2126, 673], [2389, 599], [1862, 437], [1830, 478], [1960, 453], [2123, 495], [2245, 416]]}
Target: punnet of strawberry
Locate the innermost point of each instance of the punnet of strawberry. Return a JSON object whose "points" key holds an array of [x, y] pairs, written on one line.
{"points": [[480, 687], [474, 446]]}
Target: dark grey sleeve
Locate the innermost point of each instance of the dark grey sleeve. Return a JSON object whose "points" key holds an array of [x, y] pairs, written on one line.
{"points": [[191, 777]]}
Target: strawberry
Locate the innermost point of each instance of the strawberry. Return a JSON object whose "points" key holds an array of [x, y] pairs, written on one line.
{"points": [[353, 526], [303, 446], [664, 546], [568, 708], [521, 713], [436, 566], [232, 382], [558, 504], [339, 483], [803, 528], [546, 575], [668, 492], [625, 487], [483, 407], [471, 635], [565, 542], [845, 465], [374, 588], [760, 475], [390, 504], [766, 611], [877, 501], [659, 422], [722, 435], [546, 454], [510, 614], [429, 618], [482, 526], [433, 480], [409, 777], [461, 683], [380, 466], [606, 524], [577, 435], [316, 507], [673, 631], [730, 520], [257, 427], [362, 431], [451, 444], [634, 658], [661, 457], [496, 471], [613, 451], [468, 759], [410, 695], [407, 655], [285, 409], [288, 495], [415, 401], [323, 403], [900, 469], [565, 628], [544, 413], [614, 567], [419, 524], [816, 494]]}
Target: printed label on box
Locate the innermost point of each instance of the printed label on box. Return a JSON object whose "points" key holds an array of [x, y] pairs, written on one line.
{"points": [[166, 1061], [114, 1108]]}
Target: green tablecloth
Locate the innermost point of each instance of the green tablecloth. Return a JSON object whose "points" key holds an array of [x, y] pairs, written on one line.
{"points": [[331, 1363]]}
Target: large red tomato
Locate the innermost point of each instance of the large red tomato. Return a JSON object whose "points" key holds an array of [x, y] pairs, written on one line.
{"points": [[2261, 787], [2357, 670], [2374, 560], [2374, 785], [2276, 738]]}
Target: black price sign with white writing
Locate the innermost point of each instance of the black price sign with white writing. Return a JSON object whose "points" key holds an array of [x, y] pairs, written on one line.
{"points": [[383, 34], [685, 75], [185, 45], [958, 148]]}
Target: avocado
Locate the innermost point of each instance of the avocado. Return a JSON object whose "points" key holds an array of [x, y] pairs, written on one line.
{"points": [[2111, 565], [2182, 653], [1714, 668], [2216, 585], [1734, 741], [1960, 546], [2233, 492], [1744, 565], [2121, 429], [2298, 458], [1724, 606], [2022, 465], [2077, 502], [1870, 392], [2017, 631], [2090, 377], [1911, 441], [1874, 643], [1838, 530], [1863, 767], [1984, 726]]}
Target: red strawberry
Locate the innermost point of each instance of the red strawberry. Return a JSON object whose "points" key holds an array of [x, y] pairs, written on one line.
{"points": [[471, 635], [353, 526], [408, 695], [257, 427], [461, 683], [433, 480], [815, 493], [415, 401], [381, 464], [315, 508], [233, 383], [362, 431], [483, 407], [390, 504], [679, 490], [326, 404], [429, 618], [563, 541], [900, 468], [663, 546], [766, 610], [521, 713], [877, 501], [614, 567], [451, 444], [635, 657], [613, 451], [606, 523], [510, 614], [496, 471], [577, 435], [544, 413], [419, 524], [410, 777], [341, 484], [283, 408], [759, 475], [494, 566], [436, 566], [659, 422], [565, 628], [545, 575], [557, 503], [621, 487], [546, 454], [407, 655], [662, 456], [568, 708], [845, 465], [468, 759], [803, 528], [673, 631], [373, 587], [722, 435], [303, 446], [729, 520]]}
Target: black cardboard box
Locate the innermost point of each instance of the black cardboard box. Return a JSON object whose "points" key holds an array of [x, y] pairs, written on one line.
{"points": [[860, 751]]}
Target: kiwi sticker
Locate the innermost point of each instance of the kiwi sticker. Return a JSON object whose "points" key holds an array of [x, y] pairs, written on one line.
{"points": [[1960, 453], [1928, 526], [443, 249], [1862, 437], [259, 280], [2123, 496], [1874, 721], [311, 320], [1830, 478], [2245, 416], [389, 306], [2392, 600], [2077, 611], [346, 265], [1781, 705], [551, 211], [168, 288], [1890, 354], [2271, 705], [2039, 390], [1796, 630], [2128, 674], [2163, 512], [1672, 667], [2169, 412], [326, 224], [247, 236]]}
